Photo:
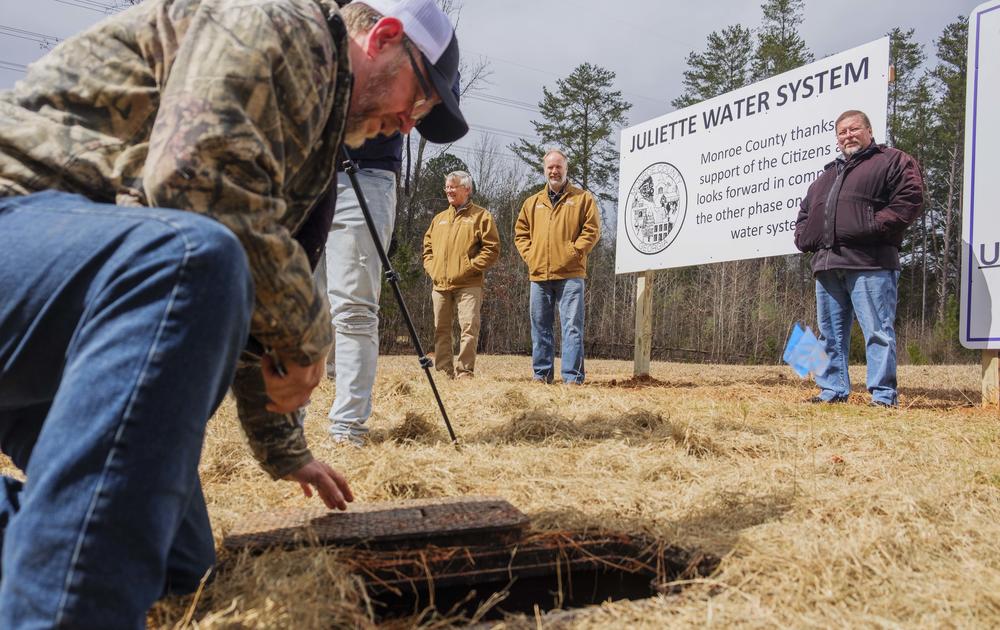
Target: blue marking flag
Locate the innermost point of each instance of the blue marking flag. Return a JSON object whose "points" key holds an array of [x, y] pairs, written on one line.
{"points": [[804, 352]]}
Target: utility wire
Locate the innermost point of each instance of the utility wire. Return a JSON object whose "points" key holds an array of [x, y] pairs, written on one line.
{"points": [[472, 152], [506, 102], [10, 65], [503, 132], [107, 8], [44, 41], [549, 72], [502, 151], [514, 63]]}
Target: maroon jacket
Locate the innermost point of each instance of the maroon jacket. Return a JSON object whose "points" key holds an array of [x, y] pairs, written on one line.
{"points": [[854, 214]]}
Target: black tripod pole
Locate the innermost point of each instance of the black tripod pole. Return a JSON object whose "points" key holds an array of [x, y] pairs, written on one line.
{"points": [[352, 171]]}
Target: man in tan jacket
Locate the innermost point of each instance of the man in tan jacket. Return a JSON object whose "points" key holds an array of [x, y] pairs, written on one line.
{"points": [[460, 244], [555, 230]]}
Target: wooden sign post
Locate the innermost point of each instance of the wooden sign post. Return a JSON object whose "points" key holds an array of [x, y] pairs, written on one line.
{"points": [[643, 322], [991, 378]]}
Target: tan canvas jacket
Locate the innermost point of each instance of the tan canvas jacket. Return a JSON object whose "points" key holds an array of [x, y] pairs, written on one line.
{"points": [[459, 246], [554, 242], [229, 108]]}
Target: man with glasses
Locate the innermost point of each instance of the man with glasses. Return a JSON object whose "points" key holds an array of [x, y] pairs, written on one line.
{"points": [[852, 220], [159, 175], [459, 246]]}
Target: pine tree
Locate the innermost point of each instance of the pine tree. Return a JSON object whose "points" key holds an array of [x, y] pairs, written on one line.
{"points": [[911, 128], [726, 64], [906, 57], [950, 79], [580, 117], [779, 46]]}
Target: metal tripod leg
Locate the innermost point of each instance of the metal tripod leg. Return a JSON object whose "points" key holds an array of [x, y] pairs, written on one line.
{"points": [[352, 169]]}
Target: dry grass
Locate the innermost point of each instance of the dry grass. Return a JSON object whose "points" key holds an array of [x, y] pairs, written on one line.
{"points": [[824, 516]]}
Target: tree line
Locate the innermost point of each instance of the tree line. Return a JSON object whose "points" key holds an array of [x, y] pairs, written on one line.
{"points": [[740, 311]]}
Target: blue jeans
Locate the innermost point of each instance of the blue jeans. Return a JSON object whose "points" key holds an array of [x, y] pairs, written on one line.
{"points": [[871, 296], [119, 332], [568, 294], [351, 274]]}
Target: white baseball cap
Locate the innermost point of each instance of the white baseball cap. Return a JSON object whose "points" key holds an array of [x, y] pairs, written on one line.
{"points": [[432, 33]]}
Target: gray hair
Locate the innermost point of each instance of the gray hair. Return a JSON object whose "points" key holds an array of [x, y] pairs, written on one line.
{"points": [[463, 178], [555, 150]]}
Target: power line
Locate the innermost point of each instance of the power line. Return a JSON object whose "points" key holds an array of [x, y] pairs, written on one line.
{"points": [[502, 132], [501, 153], [506, 102], [10, 65], [485, 129], [514, 63], [473, 152], [99, 7], [549, 72], [44, 41]]}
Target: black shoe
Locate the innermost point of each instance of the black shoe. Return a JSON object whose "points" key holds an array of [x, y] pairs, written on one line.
{"points": [[879, 403], [832, 401]]}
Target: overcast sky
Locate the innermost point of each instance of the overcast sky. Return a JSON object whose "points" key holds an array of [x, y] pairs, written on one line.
{"points": [[531, 43]]}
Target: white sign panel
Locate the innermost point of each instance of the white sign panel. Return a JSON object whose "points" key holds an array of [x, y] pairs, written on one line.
{"points": [[722, 180], [981, 211]]}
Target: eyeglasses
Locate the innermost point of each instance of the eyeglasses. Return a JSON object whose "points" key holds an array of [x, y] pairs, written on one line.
{"points": [[853, 131], [421, 106]]}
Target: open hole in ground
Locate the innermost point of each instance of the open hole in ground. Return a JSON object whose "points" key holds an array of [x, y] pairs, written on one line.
{"points": [[474, 557], [547, 571]]}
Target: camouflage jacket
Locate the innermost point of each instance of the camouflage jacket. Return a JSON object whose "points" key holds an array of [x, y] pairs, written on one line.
{"points": [[230, 108]]}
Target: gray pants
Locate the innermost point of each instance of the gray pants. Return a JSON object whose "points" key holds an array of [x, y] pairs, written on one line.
{"points": [[351, 274]]}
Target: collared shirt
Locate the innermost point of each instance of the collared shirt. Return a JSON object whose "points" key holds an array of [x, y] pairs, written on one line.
{"points": [[554, 196]]}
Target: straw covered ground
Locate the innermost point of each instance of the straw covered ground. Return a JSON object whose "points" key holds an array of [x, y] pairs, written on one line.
{"points": [[823, 515]]}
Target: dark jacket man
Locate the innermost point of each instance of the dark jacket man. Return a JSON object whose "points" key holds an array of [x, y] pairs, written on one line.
{"points": [[854, 215], [852, 220]]}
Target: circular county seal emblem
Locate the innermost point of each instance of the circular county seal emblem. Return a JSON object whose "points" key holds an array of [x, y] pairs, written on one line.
{"points": [[655, 209]]}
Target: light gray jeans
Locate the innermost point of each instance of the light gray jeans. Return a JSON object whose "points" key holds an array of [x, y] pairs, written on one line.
{"points": [[351, 274]]}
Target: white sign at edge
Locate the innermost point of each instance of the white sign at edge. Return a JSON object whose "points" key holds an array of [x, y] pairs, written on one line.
{"points": [[978, 322]]}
